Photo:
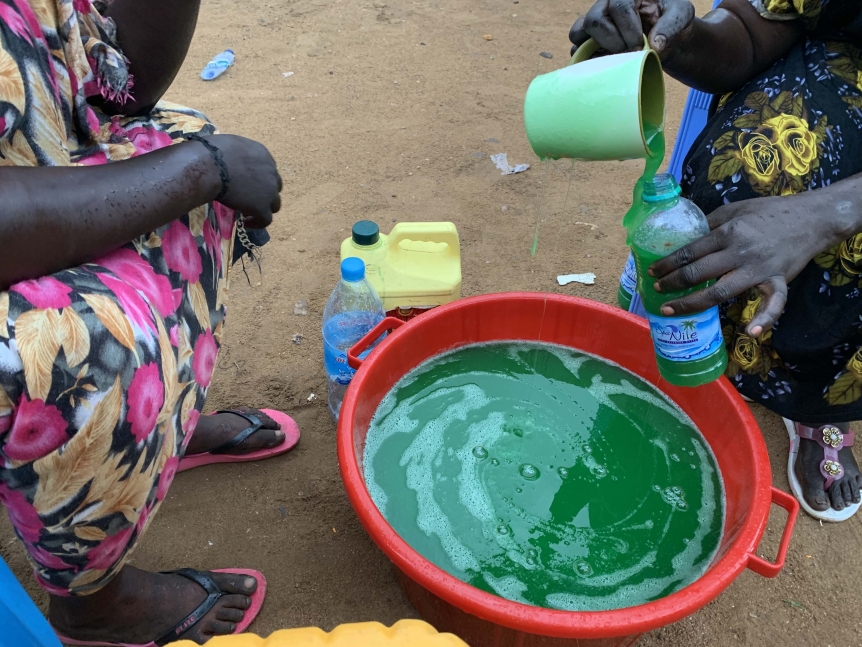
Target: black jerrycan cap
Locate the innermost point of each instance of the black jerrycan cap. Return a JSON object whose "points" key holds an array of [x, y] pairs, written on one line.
{"points": [[366, 233]]}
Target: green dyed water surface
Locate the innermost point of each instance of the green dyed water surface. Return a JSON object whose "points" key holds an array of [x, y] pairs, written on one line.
{"points": [[546, 476]]}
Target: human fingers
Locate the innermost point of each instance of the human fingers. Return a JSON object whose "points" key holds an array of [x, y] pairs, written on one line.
{"points": [[578, 34], [676, 17], [601, 28], [722, 290], [702, 247], [774, 298], [260, 220], [625, 17], [700, 270]]}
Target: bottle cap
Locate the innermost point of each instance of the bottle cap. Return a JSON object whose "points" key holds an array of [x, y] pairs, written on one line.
{"points": [[352, 269], [662, 187], [366, 233]]}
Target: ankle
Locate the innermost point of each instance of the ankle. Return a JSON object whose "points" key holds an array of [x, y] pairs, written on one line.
{"points": [[72, 612]]}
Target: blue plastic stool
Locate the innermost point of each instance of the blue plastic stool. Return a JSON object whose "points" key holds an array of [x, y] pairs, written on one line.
{"points": [[694, 118], [21, 622]]}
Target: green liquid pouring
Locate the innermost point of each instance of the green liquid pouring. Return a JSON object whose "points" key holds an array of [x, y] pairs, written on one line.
{"points": [[547, 476], [656, 144]]}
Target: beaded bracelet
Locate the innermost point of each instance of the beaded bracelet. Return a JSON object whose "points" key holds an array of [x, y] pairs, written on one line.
{"points": [[219, 162]]}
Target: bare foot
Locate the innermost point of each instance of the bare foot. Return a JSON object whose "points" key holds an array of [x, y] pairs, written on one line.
{"points": [[842, 492], [140, 607], [214, 431]]}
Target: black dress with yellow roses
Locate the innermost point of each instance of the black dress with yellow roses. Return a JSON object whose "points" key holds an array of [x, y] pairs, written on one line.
{"points": [[796, 127]]}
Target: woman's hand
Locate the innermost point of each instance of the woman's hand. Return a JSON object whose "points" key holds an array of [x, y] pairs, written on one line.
{"points": [[689, 46], [762, 243], [620, 25], [254, 184]]}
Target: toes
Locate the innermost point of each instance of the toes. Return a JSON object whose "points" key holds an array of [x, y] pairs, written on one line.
{"points": [[836, 496], [241, 602], [856, 489], [263, 438], [220, 628], [278, 438], [817, 498], [846, 494], [229, 615], [268, 422], [235, 583]]}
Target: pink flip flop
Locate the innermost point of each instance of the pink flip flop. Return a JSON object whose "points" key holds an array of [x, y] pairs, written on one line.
{"points": [[220, 455], [213, 594]]}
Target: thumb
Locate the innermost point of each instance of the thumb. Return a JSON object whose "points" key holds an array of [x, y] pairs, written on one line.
{"points": [[773, 293], [676, 18]]}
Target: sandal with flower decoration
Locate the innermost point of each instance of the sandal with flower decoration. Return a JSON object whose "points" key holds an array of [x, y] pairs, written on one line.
{"points": [[832, 440]]}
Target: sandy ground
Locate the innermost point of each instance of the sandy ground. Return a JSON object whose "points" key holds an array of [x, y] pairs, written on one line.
{"points": [[390, 115]]}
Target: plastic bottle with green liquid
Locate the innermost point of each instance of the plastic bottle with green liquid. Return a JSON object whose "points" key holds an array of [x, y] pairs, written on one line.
{"points": [[689, 348], [654, 136]]}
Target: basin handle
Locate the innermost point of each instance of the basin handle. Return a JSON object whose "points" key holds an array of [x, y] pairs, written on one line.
{"points": [[389, 323], [771, 569]]}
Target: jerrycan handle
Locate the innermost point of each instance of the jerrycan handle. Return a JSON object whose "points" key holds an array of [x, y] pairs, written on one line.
{"points": [[585, 51], [428, 232]]}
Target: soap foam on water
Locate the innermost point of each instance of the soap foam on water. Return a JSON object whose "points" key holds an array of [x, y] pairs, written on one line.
{"points": [[569, 559]]}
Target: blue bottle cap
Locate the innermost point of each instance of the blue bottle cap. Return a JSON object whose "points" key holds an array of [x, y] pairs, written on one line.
{"points": [[352, 269]]}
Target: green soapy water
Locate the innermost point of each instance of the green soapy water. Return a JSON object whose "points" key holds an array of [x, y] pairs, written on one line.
{"points": [[546, 164], [546, 476], [656, 145]]}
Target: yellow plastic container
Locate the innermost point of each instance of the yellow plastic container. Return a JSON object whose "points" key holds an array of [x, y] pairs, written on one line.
{"points": [[406, 633], [417, 266]]}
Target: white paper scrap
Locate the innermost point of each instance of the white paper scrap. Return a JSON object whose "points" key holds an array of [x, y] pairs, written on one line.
{"points": [[502, 162], [588, 278]]}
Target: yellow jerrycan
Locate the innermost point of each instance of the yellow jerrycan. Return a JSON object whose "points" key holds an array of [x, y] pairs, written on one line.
{"points": [[416, 267], [406, 633]]}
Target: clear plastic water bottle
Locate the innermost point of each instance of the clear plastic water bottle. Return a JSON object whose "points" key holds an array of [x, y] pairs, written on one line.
{"points": [[628, 284], [217, 66], [352, 311], [689, 348]]}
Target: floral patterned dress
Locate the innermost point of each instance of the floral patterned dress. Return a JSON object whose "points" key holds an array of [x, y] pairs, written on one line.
{"points": [[104, 368], [796, 127]]}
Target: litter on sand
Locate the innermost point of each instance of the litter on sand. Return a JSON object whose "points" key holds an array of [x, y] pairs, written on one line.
{"points": [[297, 338], [588, 278], [502, 162], [287, 74], [311, 397], [300, 309]]}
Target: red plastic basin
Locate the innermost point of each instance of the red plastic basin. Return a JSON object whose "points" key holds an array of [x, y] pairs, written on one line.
{"points": [[483, 619]]}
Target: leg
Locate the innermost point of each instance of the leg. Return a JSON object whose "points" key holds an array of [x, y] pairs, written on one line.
{"points": [[99, 394]]}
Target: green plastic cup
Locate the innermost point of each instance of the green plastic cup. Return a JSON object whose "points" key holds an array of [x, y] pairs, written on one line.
{"points": [[597, 109]]}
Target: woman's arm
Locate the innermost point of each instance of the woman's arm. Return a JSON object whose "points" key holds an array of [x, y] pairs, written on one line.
{"points": [[155, 36], [55, 218], [763, 243], [717, 53]]}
